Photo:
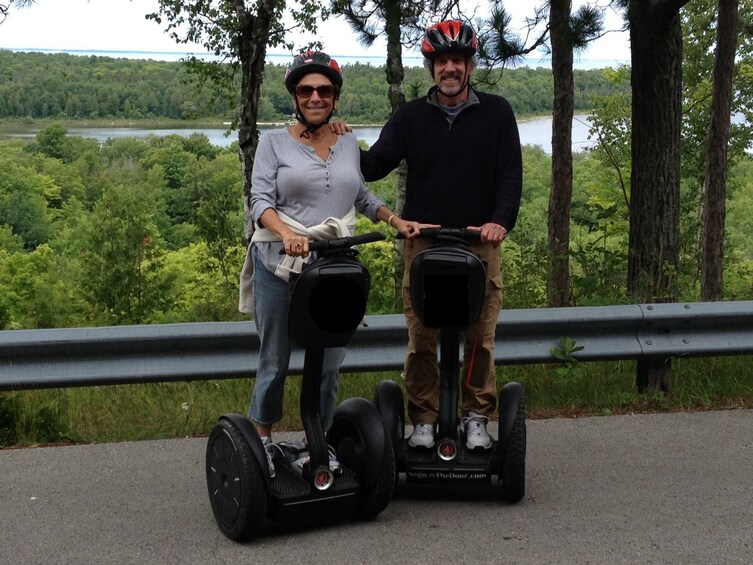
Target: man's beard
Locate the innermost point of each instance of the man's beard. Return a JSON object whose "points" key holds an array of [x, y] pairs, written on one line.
{"points": [[452, 91]]}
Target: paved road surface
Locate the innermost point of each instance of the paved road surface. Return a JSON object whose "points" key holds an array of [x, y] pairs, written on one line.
{"points": [[662, 488]]}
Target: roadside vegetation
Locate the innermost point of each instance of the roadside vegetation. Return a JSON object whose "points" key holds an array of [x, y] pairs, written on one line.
{"points": [[175, 410]]}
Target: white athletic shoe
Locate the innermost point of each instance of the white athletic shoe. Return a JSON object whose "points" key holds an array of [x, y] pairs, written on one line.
{"points": [[422, 436], [476, 436]]}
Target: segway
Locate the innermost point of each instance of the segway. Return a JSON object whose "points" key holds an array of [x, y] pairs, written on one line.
{"points": [[328, 302], [448, 284]]}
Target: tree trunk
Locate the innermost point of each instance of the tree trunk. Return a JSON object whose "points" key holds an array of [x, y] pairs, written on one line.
{"points": [[395, 75], [715, 185], [394, 68], [656, 76], [252, 50], [560, 197]]}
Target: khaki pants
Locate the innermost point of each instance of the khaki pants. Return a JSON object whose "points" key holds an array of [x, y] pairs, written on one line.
{"points": [[421, 371]]}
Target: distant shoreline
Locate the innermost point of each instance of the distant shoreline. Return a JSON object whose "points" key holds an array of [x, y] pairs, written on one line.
{"points": [[16, 124], [283, 58]]}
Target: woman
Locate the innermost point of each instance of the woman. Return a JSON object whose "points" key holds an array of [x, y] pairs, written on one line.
{"points": [[306, 184]]}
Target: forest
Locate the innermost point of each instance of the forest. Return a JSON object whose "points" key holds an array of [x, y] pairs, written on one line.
{"points": [[138, 231], [38, 86], [151, 231]]}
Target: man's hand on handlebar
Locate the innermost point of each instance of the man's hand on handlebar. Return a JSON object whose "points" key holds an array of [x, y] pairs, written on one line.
{"points": [[491, 233]]}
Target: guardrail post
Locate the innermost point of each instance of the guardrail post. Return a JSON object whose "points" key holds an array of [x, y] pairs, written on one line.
{"points": [[654, 374]]}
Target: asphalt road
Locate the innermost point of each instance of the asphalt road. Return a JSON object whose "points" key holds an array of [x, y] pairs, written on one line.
{"points": [[660, 488]]}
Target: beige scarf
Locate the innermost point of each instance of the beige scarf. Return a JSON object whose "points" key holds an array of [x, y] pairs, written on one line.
{"points": [[331, 228]]}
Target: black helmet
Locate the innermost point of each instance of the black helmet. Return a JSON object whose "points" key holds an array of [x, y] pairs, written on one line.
{"points": [[451, 36], [313, 62]]}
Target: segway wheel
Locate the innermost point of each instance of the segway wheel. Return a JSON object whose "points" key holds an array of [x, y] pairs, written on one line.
{"points": [[512, 454], [363, 445], [237, 490], [388, 400]]}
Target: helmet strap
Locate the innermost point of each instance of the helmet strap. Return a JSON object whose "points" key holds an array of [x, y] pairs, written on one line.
{"points": [[310, 128]]}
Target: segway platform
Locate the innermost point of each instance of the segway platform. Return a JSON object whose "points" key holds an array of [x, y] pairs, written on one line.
{"points": [[431, 466], [292, 494]]}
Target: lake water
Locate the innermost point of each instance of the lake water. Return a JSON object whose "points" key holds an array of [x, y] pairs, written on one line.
{"points": [[532, 132]]}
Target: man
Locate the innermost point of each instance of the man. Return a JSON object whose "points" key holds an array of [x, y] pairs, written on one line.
{"points": [[464, 170]]}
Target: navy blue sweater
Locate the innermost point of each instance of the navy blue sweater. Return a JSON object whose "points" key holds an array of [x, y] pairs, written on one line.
{"points": [[459, 175]]}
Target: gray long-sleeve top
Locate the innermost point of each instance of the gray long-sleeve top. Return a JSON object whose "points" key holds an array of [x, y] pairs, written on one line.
{"points": [[291, 178]]}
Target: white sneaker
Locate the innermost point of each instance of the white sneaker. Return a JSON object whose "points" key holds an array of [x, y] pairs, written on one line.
{"points": [[269, 448], [476, 436], [422, 436]]}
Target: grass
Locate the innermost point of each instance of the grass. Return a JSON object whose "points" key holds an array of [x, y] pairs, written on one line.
{"points": [[181, 409]]}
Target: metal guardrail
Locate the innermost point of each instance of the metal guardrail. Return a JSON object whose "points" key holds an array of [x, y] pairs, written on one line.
{"points": [[50, 358]]}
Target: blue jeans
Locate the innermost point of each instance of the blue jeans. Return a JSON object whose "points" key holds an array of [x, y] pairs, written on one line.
{"points": [[271, 302]]}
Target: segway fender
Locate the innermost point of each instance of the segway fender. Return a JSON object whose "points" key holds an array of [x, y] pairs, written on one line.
{"points": [[509, 400], [362, 415], [388, 400], [252, 438]]}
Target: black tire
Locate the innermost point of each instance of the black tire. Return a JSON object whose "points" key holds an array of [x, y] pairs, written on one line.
{"points": [[388, 400], [376, 498], [512, 455], [363, 446], [236, 486]]}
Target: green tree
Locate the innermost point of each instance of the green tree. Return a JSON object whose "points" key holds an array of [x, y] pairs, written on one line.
{"points": [[218, 214], [564, 33], [196, 287], [121, 261], [239, 34], [656, 57], [23, 206], [715, 33], [9, 241], [568, 33], [51, 141], [37, 293], [611, 128], [715, 184]]}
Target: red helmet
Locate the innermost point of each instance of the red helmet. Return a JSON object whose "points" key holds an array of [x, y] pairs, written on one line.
{"points": [[313, 62], [449, 36]]}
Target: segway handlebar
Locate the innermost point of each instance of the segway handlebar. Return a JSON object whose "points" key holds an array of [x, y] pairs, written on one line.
{"points": [[448, 234], [343, 242]]}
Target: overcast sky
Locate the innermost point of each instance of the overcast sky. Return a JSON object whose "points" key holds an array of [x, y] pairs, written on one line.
{"points": [[120, 26]]}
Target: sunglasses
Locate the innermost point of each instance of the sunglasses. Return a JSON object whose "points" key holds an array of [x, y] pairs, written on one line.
{"points": [[307, 91]]}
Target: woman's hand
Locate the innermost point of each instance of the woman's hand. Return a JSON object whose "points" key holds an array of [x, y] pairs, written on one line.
{"points": [[296, 245]]}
